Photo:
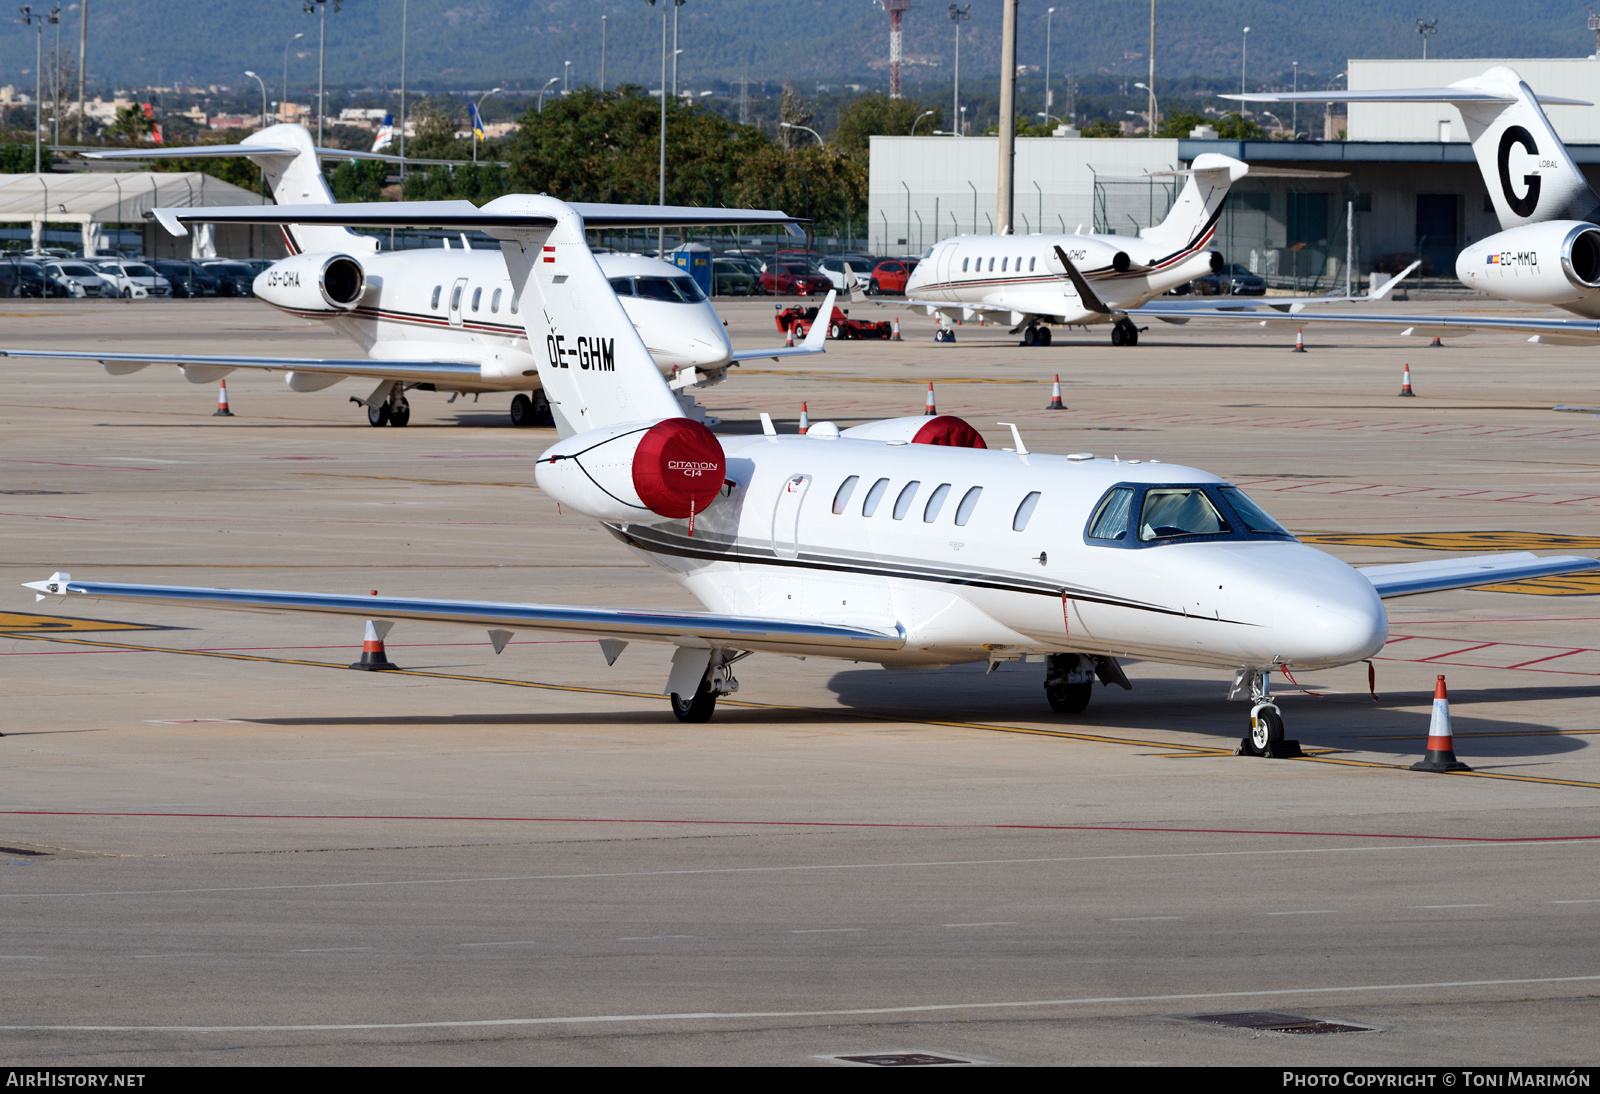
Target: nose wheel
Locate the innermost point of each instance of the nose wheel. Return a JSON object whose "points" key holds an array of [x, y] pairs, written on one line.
{"points": [[1266, 738]]}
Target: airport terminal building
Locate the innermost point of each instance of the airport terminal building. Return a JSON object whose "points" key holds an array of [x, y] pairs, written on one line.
{"points": [[1410, 187]]}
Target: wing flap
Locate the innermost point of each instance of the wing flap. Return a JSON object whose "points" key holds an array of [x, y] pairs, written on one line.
{"points": [[410, 371], [675, 628], [1412, 578]]}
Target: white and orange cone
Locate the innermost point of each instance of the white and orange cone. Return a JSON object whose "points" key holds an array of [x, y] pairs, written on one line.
{"points": [[1299, 340], [788, 335], [895, 336], [1055, 395], [930, 411], [222, 402], [1437, 341], [1441, 743], [373, 659], [1405, 384], [805, 420]]}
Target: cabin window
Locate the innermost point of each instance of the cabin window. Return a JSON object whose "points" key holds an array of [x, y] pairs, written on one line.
{"points": [[514, 303], [969, 502], [1019, 522], [842, 498], [1031, 261], [964, 262], [1003, 262], [455, 298], [494, 301], [477, 297], [902, 504], [991, 265], [930, 512], [437, 289], [1110, 521], [1185, 511], [874, 496]]}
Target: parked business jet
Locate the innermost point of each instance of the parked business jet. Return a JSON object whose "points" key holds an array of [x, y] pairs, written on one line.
{"points": [[442, 320], [1549, 249], [1033, 280], [905, 542]]}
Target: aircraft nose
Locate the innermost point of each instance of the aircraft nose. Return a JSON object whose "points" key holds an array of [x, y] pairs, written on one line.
{"points": [[1335, 623]]}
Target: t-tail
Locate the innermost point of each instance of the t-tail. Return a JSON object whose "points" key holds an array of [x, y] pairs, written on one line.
{"points": [[1192, 220]]}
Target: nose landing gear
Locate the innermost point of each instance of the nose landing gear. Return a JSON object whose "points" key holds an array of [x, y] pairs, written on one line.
{"points": [[1266, 720]]}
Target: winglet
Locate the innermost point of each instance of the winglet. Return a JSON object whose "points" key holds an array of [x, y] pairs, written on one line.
{"points": [[57, 585], [818, 334], [168, 219], [1085, 293], [1384, 289]]}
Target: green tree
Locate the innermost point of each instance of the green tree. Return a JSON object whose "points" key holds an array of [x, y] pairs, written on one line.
{"points": [[359, 180], [16, 159], [437, 120], [1102, 127], [132, 125], [795, 111], [1179, 123], [1235, 127], [878, 115], [476, 182], [812, 182]]}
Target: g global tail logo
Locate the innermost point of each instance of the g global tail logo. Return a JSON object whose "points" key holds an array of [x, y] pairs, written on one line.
{"points": [[1525, 204]]}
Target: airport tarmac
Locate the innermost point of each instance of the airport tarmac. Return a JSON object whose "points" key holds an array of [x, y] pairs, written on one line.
{"points": [[221, 846]]}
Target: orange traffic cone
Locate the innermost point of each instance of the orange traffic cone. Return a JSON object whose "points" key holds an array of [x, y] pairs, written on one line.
{"points": [[1405, 385], [1299, 340], [930, 411], [895, 337], [1441, 744], [805, 420], [1055, 395], [222, 402], [788, 336], [1436, 342], [373, 658]]}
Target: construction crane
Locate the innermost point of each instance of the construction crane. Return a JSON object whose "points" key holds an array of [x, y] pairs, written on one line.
{"points": [[896, 9]]}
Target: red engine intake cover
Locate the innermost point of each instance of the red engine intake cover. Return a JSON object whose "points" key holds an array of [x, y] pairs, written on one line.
{"points": [[949, 430], [679, 466]]}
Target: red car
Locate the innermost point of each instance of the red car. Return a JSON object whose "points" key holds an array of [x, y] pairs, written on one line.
{"points": [[800, 320], [890, 276], [793, 279]]}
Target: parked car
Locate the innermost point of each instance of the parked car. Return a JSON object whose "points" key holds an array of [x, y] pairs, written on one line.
{"points": [[77, 278], [800, 320], [19, 277], [1232, 280], [189, 278], [793, 279], [234, 278], [749, 263], [833, 266], [890, 276], [730, 278], [130, 278]]}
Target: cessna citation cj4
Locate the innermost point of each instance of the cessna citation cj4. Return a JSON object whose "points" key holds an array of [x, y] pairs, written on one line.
{"points": [[431, 320], [905, 542]]}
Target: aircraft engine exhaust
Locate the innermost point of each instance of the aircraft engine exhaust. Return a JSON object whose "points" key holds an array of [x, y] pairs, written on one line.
{"points": [[672, 468]]}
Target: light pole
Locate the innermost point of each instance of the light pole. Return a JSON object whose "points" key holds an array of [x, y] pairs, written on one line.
{"points": [[546, 87], [1427, 29], [1327, 111], [566, 78], [83, 56], [477, 120], [283, 104], [1244, 50], [321, 8], [807, 128], [602, 53], [661, 177], [36, 21], [404, 21], [1049, 98], [959, 15], [924, 114], [258, 80], [1153, 114], [55, 75]]}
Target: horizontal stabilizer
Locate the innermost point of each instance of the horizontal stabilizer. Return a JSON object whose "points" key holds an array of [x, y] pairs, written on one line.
{"points": [[1403, 95], [1412, 578]]}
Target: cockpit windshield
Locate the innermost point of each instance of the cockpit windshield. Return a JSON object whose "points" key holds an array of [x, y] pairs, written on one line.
{"points": [[672, 290], [1136, 515], [1182, 511], [1251, 515]]}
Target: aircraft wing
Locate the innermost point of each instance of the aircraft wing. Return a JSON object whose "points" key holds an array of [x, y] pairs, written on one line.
{"points": [[815, 340], [206, 368], [694, 629], [1566, 332], [1412, 578]]}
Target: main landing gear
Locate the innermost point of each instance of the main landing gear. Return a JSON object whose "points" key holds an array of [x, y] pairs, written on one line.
{"points": [[1266, 720], [529, 410], [1124, 332], [718, 680], [1069, 679], [392, 411], [1034, 335]]}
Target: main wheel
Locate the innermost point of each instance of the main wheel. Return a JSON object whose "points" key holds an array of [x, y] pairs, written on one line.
{"points": [[699, 708], [1266, 733], [1043, 338], [1070, 698], [378, 415], [1119, 337], [400, 414], [521, 410], [1133, 336], [1030, 337]]}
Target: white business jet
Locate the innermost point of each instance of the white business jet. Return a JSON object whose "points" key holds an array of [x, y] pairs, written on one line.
{"points": [[441, 320], [904, 542], [1549, 250], [1078, 279]]}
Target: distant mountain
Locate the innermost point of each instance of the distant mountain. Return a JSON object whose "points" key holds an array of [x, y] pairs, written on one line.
{"points": [[462, 44]]}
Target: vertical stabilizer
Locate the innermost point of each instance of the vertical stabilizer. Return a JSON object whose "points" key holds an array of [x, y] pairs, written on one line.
{"points": [[593, 366], [1530, 176], [1193, 217], [298, 180]]}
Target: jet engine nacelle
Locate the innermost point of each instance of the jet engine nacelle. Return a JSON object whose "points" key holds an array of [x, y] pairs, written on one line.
{"points": [[1556, 262], [640, 471], [1092, 256], [313, 283]]}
